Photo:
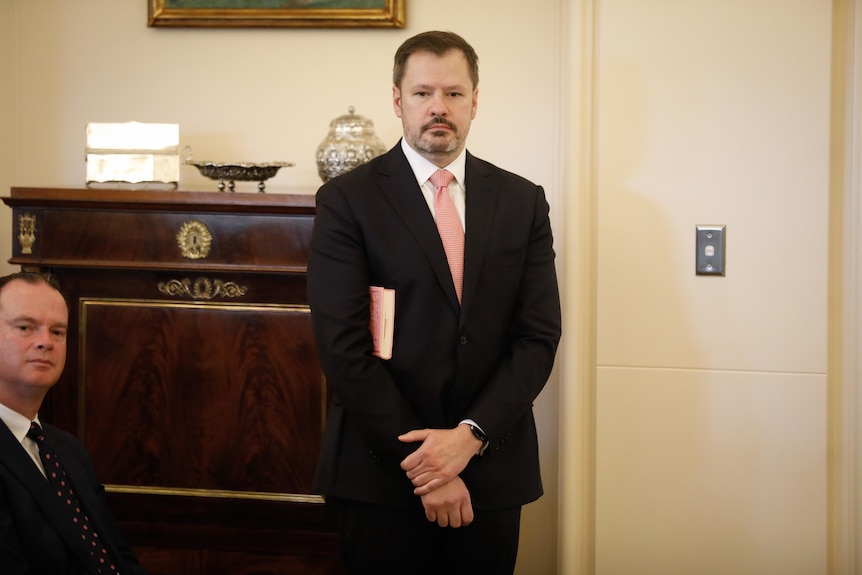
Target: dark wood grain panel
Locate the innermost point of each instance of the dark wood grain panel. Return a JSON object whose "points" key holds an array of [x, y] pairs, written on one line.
{"points": [[126, 199], [213, 396], [243, 533], [243, 563], [203, 410], [149, 239], [169, 561]]}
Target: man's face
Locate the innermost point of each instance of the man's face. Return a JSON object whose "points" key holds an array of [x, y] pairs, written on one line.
{"points": [[436, 103], [33, 324]]}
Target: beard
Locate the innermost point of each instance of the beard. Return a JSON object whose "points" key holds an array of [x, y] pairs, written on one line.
{"points": [[436, 143]]}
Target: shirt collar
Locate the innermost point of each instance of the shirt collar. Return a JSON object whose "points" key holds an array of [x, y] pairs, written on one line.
{"points": [[17, 423], [423, 169]]}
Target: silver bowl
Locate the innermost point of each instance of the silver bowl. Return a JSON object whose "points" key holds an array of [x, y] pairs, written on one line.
{"points": [[239, 172]]}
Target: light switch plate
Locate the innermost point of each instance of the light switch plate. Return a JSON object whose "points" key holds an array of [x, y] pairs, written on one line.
{"points": [[710, 241]]}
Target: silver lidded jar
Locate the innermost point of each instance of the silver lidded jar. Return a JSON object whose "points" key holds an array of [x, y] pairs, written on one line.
{"points": [[351, 142]]}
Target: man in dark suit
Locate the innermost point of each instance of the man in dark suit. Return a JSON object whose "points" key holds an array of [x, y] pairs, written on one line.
{"points": [[429, 455], [39, 531]]}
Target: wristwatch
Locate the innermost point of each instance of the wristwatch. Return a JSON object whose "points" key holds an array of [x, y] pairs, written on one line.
{"points": [[480, 435]]}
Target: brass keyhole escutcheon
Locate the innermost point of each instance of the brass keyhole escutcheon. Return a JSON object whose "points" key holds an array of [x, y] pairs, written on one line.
{"points": [[194, 240]]}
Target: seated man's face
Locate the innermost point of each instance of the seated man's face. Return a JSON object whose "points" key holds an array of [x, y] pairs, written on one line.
{"points": [[33, 324]]}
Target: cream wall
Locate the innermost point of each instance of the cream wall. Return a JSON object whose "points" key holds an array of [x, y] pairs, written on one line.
{"points": [[7, 124], [711, 392], [692, 429], [845, 301], [269, 95], [260, 94]]}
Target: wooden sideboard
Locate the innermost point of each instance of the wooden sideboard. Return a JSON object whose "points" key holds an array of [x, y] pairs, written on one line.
{"points": [[192, 375]]}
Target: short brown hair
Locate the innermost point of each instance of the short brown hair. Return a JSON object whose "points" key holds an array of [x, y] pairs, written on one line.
{"points": [[34, 278], [438, 43]]}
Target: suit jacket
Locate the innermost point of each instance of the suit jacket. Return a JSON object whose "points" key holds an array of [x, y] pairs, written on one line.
{"points": [[486, 360], [35, 536]]}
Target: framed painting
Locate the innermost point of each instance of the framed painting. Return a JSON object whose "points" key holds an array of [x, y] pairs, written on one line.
{"points": [[276, 13]]}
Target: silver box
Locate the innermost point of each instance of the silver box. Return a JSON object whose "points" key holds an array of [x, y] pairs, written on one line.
{"points": [[133, 153]]}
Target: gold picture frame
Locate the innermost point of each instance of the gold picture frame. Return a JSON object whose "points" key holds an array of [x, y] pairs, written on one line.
{"points": [[276, 13]]}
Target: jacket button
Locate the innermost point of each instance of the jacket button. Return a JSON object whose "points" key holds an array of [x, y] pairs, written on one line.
{"points": [[502, 441], [462, 340]]}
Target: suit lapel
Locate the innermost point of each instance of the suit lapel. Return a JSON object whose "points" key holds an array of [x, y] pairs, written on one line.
{"points": [[480, 208], [19, 464], [401, 190]]}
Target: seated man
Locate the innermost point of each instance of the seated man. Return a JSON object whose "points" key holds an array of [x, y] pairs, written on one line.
{"points": [[54, 518]]}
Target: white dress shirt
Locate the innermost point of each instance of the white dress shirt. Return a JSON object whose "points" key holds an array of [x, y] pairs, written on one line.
{"points": [[19, 426], [423, 169]]}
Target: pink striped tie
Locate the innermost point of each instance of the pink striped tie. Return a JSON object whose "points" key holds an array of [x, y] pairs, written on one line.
{"points": [[449, 226]]}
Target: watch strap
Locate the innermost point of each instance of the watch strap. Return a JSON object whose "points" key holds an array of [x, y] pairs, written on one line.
{"points": [[480, 435]]}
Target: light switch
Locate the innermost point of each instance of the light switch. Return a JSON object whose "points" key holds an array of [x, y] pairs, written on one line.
{"points": [[710, 241]]}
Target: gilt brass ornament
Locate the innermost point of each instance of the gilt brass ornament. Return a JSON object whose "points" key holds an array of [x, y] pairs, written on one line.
{"points": [[26, 232], [194, 240], [202, 288]]}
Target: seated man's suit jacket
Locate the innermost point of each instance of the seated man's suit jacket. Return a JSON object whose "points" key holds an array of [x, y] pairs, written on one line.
{"points": [[486, 359], [36, 537]]}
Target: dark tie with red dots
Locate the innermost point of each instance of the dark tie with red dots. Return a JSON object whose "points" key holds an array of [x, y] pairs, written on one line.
{"points": [[100, 559]]}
